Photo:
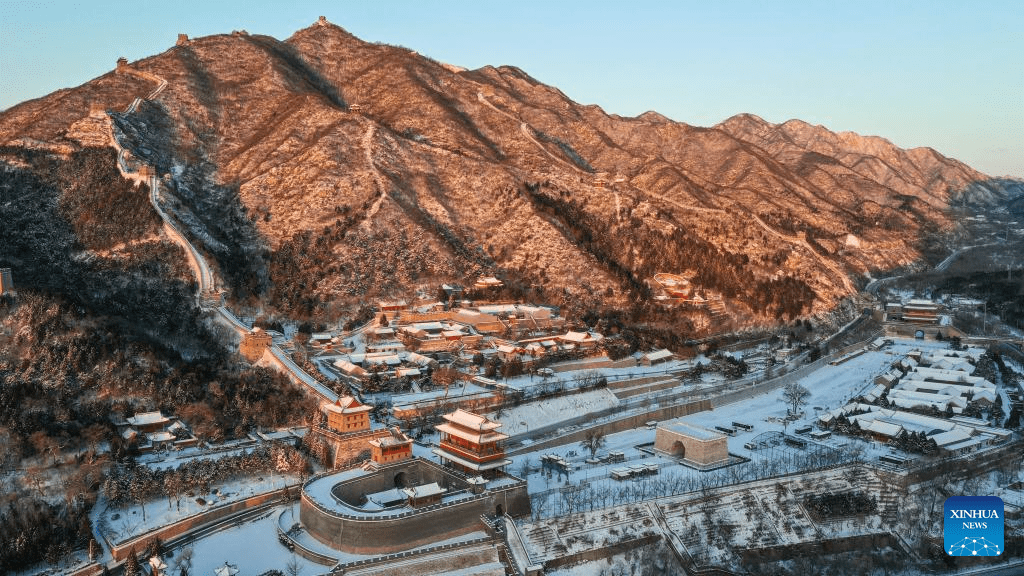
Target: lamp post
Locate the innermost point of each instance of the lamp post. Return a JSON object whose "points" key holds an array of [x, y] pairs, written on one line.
{"points": [[527, 426]]}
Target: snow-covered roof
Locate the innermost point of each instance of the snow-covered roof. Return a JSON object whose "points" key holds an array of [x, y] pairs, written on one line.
{"points": [[883, 428], [156, 437], [889, 377], [428, 326], [498, 309], [349, 368], [982, 394], [420, 359], [226, 570], [658, 355], [913, 398], [691, 430], [147, 418], [968, 421], [535, 311], [402, 372], [346, 405], [580, 337], [948, 363], [964, 445], [390, 441], [424, 491], [874, 393], [472, 421], [322, 336], [485, 437], [383, 358], [949, 376], [958, 434]]}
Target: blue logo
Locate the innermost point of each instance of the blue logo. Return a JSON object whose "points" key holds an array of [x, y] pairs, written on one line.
{"points": [[973, 526]]}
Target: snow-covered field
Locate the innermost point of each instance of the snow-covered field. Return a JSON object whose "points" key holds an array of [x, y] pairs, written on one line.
{"points": [[520, 419], [121, 524], [830, 386], [252, 547]]}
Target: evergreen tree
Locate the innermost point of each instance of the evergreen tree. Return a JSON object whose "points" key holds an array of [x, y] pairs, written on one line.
{"points": [[131, 565]]}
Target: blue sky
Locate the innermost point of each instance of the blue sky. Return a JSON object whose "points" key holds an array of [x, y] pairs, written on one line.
{"points": [[949, 75]]}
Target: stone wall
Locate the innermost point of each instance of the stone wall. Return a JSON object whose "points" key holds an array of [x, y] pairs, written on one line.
{"points": [[440, 562], [875, 541], [120, 550], [388, 534], [620, 425], [602, 552], [413, 472], [478, 402], [347, 448]]}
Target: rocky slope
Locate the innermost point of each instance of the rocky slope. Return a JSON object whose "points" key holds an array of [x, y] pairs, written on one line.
{"points": [[323, 168]]}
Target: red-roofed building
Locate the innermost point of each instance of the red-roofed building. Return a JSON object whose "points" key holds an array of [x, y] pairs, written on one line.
{"points": [[471, 443]]}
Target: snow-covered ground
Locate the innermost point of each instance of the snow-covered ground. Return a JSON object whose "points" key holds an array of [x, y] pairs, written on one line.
{"points": [[520, 419], [252, 547], [122, 524], [830, 386]]}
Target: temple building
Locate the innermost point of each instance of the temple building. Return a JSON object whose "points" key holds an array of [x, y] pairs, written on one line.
{"points": [[347, 414], [471, 443], [921, 312]]}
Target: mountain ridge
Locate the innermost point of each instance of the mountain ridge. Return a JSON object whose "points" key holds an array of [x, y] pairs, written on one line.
{"points": [[379, 169]]}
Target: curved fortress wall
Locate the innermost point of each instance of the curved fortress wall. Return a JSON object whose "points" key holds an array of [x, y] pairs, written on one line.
{"points": [[350, 530]]}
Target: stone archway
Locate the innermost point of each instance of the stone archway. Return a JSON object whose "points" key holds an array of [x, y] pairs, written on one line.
{"points": [[400, 480], [499, 511], [678, 449], [919, 334]]}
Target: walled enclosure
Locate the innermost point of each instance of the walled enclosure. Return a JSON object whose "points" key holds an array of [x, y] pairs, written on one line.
{"points": [[349, 529]]}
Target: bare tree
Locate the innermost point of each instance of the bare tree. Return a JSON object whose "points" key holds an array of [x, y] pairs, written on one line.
{"points": [[445, 376], [593, 441], [795, 396], [524, 467], [184, 563], [293, 567]]}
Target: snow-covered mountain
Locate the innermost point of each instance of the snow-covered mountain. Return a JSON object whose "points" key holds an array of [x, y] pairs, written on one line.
{"points": [[323, 168]]}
